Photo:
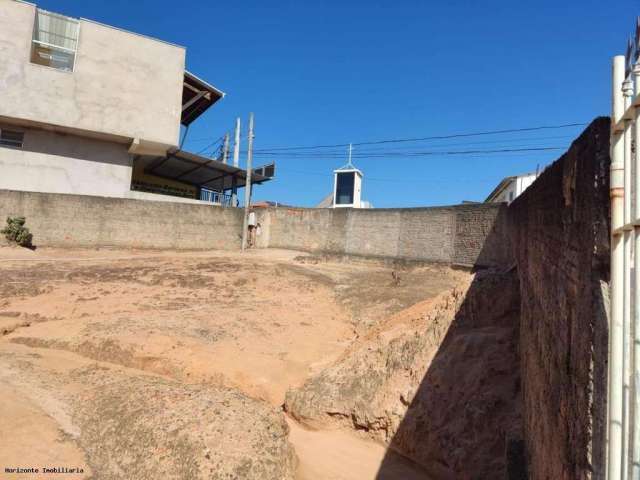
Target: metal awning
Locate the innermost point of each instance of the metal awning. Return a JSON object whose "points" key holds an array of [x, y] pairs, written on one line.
{"points": [[203, 172], [197, 96]]}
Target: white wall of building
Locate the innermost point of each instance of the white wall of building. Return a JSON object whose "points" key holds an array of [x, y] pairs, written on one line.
{"points": [[523, 182], [60, 163], [123, 84], [53, 162], [515, 188]]}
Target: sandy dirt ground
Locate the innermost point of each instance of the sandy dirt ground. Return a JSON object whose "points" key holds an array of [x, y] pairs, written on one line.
{"points": [[259, 323]]}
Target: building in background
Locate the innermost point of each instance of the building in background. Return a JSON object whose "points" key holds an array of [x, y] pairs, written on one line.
{"points": [[511, 188], [94, 110], [347, 188]]}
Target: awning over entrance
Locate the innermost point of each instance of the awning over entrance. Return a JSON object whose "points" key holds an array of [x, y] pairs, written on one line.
{"points": [[203, 172]]}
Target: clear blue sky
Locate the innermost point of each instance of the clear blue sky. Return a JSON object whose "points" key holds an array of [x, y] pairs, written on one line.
{"points": [[333, 72]]}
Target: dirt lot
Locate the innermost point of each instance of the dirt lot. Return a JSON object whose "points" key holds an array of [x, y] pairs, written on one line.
{"points": [[138, 364]]}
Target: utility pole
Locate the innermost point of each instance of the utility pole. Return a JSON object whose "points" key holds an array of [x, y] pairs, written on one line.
{"points": [[236, 163], [225, 148], [247, 186]]}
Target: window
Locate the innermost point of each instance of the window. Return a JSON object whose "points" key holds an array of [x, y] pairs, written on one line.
{"points": [[344, 188], [55, 40], [11, 138], [266, 170]]}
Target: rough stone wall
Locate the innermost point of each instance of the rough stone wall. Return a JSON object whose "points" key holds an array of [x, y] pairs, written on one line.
{"points": [[560, 232], [456, 234], [87, 221]]}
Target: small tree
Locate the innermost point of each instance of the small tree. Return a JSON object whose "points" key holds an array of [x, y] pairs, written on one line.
{"points": [[16, 232]]}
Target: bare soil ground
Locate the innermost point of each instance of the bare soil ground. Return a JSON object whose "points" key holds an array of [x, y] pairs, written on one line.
{"points": [[120, 362]]}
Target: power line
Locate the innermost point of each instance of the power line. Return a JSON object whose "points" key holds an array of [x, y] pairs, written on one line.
{"points": [[213, 144], [400, 150], [316, 155], [467, 143], [433, 137]]}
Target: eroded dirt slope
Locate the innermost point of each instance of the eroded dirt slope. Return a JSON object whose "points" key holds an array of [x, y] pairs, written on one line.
{"points": [[180, 362], [437, 382]]}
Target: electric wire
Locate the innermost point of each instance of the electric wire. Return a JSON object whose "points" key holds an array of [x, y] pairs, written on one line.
{"points": [[414, 154], [427, 138]]}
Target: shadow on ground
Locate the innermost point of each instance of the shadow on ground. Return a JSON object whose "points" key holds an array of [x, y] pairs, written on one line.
{"points": [[464, 421]]}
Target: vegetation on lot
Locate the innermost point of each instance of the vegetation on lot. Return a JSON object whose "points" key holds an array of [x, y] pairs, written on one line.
{"points": [[16, 232]]}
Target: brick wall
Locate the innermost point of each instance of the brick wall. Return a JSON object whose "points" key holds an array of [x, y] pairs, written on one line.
{"points": [[89, 221], [463, 234], [560, 233]]}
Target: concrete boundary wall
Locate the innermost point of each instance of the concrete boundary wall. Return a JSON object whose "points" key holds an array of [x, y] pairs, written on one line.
{"points": [[89, 221], [474, 234], [470, 234]]}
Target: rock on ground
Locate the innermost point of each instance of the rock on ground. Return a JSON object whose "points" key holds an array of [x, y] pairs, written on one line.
{"points": [[438, 382]]}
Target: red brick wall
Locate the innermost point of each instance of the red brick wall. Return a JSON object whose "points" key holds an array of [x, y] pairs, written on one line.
{"points": [[560, 233]]}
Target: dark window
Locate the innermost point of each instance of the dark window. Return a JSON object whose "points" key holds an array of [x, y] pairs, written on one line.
{"points": [[344, 188], [11, 138], [266, 170], [270, 170]]}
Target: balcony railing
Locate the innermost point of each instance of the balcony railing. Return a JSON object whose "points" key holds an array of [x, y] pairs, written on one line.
{"points": [[214, 197]]}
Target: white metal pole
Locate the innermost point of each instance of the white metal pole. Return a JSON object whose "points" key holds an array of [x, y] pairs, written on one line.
{"points": [[225, 148], [247, 187], [616, 354], [236, 144], [634, 409], [627, 91], [236, 162]]}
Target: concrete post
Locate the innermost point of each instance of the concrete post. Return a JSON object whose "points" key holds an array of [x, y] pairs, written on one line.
{"points": [[236, 162], [225, 148], [247, 187]]}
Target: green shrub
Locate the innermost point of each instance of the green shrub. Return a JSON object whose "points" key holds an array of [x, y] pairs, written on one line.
{"points": [[16, 232]]}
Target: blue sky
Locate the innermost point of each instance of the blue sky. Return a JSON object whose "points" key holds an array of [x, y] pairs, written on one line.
{"points": [[333, 72]]}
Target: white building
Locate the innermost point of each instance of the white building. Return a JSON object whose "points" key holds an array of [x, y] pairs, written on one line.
{"points": [[347, 187], [90, 109], [511, 188]]}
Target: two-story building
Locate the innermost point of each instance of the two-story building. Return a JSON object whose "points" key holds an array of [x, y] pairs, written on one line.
{"points": [[95, 110]]}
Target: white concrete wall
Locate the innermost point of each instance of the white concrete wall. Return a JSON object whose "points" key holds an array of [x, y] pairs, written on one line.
{"points": [[58, 163], [524, 182], [52, 162], [123, 84], [515, 188]]}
